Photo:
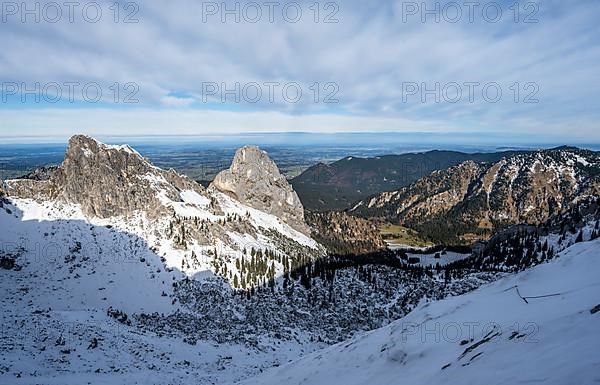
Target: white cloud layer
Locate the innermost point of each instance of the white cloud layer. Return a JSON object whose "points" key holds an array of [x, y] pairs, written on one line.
{"points": [[370, 55]]}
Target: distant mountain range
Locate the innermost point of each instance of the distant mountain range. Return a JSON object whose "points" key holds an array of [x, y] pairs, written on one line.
{"points": [[339, 185]]}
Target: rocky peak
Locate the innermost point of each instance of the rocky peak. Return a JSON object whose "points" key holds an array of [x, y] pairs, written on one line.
{"points": [[86, 151], [115, 180], [106, 180], [100, 177], [254, 180]]}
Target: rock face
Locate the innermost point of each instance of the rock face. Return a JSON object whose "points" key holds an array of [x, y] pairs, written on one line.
{"points": [[105, 180], [254, 180], [3, 199], [470, 201]]}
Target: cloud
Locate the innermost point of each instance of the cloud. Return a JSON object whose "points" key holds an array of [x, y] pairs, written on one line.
{"points": [[102, 121], [369, 55], [173, 101]]}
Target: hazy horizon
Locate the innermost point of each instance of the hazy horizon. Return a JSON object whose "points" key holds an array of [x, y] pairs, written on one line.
{"points": [[418, 140]]}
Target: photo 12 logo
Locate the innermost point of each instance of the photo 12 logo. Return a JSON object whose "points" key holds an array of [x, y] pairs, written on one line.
{"points": [[271, 12], [51, 252], [469, 333], [269, 92], [470, 11], [470, 92], [71, 92], [69, 11]]}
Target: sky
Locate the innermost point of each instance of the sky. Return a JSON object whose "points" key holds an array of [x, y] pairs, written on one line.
{"points": [[520, 71]]}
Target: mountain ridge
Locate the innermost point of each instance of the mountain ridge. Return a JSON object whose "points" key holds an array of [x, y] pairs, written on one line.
{"points": [[117, 184], [339, 185], [471, 200]]}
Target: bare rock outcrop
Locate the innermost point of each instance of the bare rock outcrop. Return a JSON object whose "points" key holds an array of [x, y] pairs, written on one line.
{"points": [[115, 180], [254, 180], [105, 181]]}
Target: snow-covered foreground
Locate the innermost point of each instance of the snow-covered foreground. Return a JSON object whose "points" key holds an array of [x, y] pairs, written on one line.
{"points": [[489, 336], [61, 320], [54, 326]]}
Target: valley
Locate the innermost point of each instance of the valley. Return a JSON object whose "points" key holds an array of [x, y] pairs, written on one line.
{"points": [[397, 236]]}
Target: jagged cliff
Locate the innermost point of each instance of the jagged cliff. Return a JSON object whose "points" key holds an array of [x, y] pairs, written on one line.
{"points": [[105, 181]]}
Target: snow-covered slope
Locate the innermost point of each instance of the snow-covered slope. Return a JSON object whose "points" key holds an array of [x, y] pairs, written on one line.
{"points": [[67, 283], [489, 336], [193, 229], [88, 247], [92, 245]]}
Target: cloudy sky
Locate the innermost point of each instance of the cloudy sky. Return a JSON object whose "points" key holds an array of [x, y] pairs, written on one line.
{"points": [[197, 68]]}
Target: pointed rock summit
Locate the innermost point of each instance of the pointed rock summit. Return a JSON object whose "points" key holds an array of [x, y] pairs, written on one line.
{"points": [[254, 180], [106, 180]]}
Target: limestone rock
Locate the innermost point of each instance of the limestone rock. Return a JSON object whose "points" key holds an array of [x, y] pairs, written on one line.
{"points": [[105, 181], [254, 180]]}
